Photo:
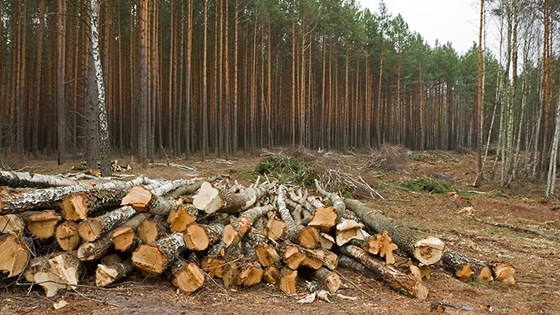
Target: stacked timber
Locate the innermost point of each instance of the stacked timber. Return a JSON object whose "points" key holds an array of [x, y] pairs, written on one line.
{"points": [[189, 230]]}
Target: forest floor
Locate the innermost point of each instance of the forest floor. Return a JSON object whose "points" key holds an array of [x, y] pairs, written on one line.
{"points": [[446, 216]]}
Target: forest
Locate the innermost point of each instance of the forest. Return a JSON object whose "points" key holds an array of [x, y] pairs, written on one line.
{"points": [[91, 79]]}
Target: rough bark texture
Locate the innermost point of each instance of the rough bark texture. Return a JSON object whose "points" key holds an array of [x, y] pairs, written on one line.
{"points": [[25, 179], [91, 229], [395, 279]]}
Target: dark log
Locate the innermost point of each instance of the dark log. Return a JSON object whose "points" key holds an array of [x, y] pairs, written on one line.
{"points": [[428, 250]]}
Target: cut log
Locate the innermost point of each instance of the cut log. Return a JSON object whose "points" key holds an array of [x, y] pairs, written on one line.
{"points": [[293, 256], [188, 189], [235, 231], [288, 281], [25, 179], [395, 279], [11, 224], [108, 274], [329, 279], [209, 199], [41, 224], [230, 275], [326, 240], [328, 258], [181, 217], [14, 254], [80, 205], [171, 186], [154, 259], [213, 266], [348, 230], [265, 253], [124, 237], [67, 236], [427, 250], [309, 237], [337, 203], [91, 251], [274, 228], [187, 277], [271, 275], [251, 274], [312, 262], [199, 237], [324, 219], [152, 229], [144, 200], [93, 228], [51, 197], [504, 273], [466, 268]]}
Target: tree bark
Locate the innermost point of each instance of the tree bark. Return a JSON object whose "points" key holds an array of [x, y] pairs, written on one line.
{"points": [[92, 229], [51, 197], [395, 279]]}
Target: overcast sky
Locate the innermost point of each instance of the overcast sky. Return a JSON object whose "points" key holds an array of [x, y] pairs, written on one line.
{"points": [[455, 21]]}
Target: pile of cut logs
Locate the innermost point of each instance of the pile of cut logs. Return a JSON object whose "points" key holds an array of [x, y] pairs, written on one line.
{"points": [[57, 232]]}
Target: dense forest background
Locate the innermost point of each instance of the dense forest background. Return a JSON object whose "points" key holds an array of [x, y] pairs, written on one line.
{"points": [[219, 77]]}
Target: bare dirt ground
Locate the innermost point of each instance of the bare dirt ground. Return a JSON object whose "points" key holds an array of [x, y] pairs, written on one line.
{"points": [[536, 258]]}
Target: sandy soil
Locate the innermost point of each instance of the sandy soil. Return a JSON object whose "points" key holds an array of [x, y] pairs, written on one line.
{"points": [[536, 258]]}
